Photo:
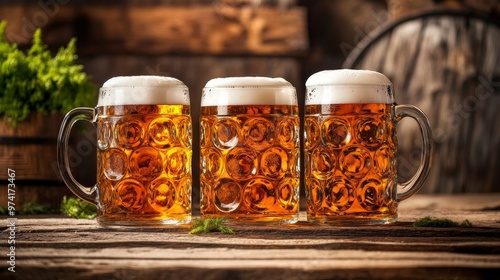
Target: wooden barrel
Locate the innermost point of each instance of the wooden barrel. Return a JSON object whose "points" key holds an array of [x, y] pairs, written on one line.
{"points": [[448, 64], [30, 150]]}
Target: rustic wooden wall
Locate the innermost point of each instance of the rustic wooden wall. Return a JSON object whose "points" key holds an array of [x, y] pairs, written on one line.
{"points": [[193, 41]]}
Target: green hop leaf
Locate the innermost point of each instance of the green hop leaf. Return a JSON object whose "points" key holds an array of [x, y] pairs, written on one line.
{"points": [[211, 224]]}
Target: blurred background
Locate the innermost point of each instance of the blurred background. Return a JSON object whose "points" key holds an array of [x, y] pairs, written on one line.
{"points": [[442, 56]]}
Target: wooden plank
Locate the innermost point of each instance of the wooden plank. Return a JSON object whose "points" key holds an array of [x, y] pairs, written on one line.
{"points": [[49, 247], [51, 194], [404, 8], [195, 29], [36, 125], [30, 161], [30, 147]]}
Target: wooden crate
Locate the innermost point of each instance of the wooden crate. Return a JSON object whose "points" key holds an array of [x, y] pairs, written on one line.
{"points": [[30, 150]]}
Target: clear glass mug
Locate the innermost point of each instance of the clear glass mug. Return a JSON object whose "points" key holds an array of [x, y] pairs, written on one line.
{"points": [[350, 148], [144, 147], [250, 150]]}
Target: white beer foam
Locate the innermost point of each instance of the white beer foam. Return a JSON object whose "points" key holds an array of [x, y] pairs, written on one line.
{"points": [[143, 90], [347, 86], [248, 91]]}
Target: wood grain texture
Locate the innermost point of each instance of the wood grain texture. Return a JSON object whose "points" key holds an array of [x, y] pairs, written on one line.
{"points": [[403, 8], [35, 126], [217, 29], [30, 147], [54, 247], [30, 161], [446, 64], [49, 193]]}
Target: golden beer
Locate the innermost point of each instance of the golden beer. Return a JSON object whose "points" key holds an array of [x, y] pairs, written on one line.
{"points": [[350, 148], [249, 164], [144, 151], [144, 154], [350, 161]]}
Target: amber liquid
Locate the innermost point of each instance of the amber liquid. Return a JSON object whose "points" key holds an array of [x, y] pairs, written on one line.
{"points": [[144, 164], [350, 161], [250, 163]]}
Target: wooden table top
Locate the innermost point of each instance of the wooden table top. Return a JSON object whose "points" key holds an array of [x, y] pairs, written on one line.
{"points": [[55, 247]]}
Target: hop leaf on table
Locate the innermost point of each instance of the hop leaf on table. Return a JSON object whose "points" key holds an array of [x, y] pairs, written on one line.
{"points": [[211, 224], [434, 222]]}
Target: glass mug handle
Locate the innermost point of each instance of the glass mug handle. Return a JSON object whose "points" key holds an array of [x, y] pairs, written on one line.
{"points": [[410, 187], [78, 114]]}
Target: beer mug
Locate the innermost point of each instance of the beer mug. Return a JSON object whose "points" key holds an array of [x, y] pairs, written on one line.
{"points": [[250, 150], [350, 148], [144, 147]]}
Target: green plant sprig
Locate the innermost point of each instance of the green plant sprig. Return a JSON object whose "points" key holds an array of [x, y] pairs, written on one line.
{"points": [[210, 224], [33, 208], [71, 207], [39, 82], [77, 208], [434, 222]]}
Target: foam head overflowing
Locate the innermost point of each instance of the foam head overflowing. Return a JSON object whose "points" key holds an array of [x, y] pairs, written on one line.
{"points": [[248, 91], [143, 90], [346, 86]]}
